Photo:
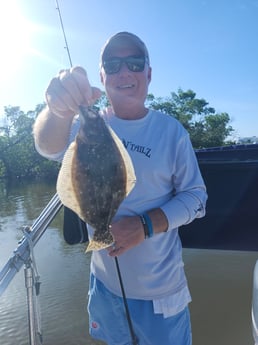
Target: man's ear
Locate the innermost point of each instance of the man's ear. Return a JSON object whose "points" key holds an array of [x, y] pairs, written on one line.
{"points": [[149, 74], [101, 77]]}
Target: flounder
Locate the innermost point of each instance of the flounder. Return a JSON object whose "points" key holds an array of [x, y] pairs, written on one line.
{"points": [[96, 175]]}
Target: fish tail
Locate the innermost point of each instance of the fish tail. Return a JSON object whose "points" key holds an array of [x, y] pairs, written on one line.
{"points": [[96, 245]]}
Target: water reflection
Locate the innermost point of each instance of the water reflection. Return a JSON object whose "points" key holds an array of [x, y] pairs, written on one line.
{"points": [[63, 270], [220, 282]]}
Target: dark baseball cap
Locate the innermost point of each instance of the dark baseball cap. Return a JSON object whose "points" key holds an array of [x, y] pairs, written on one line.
{"points": [[124, 39]]}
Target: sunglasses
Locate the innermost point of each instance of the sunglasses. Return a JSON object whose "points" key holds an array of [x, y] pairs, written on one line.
{"points": [[133, 63]]}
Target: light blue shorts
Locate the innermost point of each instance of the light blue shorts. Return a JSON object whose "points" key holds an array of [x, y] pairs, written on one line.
{"points": [[108, 322]]}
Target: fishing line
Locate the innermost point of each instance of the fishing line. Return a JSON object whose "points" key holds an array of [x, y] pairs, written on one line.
{"points": [[129, 321]]}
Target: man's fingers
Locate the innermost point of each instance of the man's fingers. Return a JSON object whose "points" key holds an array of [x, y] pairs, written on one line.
{"points": [[69, 90]]}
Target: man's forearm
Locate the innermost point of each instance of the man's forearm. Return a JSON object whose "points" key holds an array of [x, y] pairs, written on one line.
{"points": [[51, 133]]}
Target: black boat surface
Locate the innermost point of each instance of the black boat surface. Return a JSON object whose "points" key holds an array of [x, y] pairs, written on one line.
{"points": [[231, 221]]}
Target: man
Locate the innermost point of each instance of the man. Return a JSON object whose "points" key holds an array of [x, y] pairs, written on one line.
{"points": [[169, 192]]}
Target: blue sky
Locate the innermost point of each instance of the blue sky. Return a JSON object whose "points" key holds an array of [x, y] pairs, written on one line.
{"points": [[209, 46]]}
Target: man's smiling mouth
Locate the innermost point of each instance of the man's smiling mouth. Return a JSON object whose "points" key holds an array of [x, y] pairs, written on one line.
{"points": [[126, 86]]}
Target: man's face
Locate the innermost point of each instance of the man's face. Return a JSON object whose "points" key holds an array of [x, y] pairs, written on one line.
{"points": [[126, 87]]}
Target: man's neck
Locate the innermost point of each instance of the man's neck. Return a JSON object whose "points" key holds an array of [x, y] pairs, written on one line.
{"points": [[130, 113]]}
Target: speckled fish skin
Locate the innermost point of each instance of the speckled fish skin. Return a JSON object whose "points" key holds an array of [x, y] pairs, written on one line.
{"points": [[95, 177]]}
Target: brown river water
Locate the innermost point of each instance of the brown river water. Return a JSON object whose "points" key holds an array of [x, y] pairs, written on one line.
{"points": [[220, 282]]}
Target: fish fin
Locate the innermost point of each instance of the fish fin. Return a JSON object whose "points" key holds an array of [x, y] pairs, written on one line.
{"points": [[131, 178], [96, 245], [64, 186]]}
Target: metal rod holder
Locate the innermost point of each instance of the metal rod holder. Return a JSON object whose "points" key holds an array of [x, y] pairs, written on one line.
{"points": [[34, 336], [22, 257]]}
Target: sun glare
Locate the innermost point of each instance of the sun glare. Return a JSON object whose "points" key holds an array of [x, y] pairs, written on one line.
{"points": [[15, 36]]}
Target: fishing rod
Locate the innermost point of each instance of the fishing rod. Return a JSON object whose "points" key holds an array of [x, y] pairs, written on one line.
{"points": [[128, 317], [63, 30], [23, 254]]}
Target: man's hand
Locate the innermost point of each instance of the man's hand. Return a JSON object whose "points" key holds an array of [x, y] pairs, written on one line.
{"points": [[127, 232], [68, 90]]}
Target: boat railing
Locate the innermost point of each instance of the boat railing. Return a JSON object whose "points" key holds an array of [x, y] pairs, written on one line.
{"points": [[23, 256]]}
